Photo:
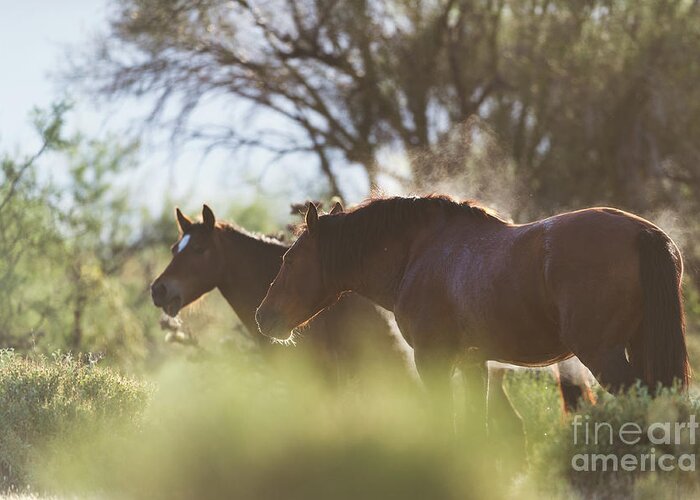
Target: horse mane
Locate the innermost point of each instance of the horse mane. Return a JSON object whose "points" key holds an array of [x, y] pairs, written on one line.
{"points": [[444, 202], [348, 236], [399, 207], [231, 229]]}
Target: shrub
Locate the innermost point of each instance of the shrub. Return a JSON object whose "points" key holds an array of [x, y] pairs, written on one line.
{"points": [[42, 399], [590, 454], [235, 430]]}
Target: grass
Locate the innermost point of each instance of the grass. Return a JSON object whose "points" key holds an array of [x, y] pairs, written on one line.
{"points": [[231, 428]]}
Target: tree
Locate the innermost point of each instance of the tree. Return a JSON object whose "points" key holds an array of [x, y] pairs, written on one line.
{"points": [[72, 248], [588, 99], [26, 235], [351, 77], [545, 104]]}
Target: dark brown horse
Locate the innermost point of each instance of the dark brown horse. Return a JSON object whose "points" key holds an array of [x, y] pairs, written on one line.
{"points": [[212, 254], [466, 286]]}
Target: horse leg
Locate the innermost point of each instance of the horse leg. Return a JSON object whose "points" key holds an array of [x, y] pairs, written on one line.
{"points": [[600, 345], [573, 383], [571, 394], [502, 415], [504, 421], [435, 367], [475, 382], [611, 368]]}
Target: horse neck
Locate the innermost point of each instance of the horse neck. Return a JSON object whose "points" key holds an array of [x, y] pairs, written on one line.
{"points": [[381, 264], [251, 264]]}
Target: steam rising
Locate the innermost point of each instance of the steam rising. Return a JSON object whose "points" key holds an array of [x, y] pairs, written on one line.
{"points": [[467, 162]]}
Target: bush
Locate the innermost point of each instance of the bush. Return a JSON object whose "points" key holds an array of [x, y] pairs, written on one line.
{"points": [[42, 399], [235, 430], [590, 454]]}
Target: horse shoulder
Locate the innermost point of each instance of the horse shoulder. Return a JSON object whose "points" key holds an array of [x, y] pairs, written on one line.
{"points": [[424, 292]]}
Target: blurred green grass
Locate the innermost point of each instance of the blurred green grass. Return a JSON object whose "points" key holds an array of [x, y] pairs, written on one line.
{"points": [[236, 430], [229, 426]]}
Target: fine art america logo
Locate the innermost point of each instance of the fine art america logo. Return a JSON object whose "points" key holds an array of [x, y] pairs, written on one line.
{"points": [[662, 434]]}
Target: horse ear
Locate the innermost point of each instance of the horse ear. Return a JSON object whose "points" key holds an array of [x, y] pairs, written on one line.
{"points": [[337, 208], [182, 220], [208, 217], [311, 217]]}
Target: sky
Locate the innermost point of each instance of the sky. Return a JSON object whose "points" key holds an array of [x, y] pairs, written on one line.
{"points": [[35, 38]]}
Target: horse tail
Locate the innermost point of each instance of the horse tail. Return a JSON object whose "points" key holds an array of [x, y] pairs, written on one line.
{"points": [[664, 355]]}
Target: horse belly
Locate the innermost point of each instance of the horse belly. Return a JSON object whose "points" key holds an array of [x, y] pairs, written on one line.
{"points": [[538, 349], [521, 340]]}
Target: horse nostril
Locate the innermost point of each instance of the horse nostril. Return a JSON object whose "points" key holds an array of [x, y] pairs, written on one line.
{"points": [[158, 292]]}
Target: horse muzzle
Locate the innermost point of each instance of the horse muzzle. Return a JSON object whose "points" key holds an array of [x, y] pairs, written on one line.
{"points": [[170, 302], [272, 325]]}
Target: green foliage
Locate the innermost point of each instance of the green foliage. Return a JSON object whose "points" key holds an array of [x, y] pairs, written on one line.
{"points": [[567, 103], [574, 439], [234, 428], [78, 253], [231, 427], [593, 101], [238, 430], [27, 235], [552, 444], [42, 399], [537, 397], [75, 250]]}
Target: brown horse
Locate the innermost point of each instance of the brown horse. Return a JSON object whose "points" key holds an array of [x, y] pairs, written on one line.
{"points": [[466, 286], [215, 254], [241, 265]]}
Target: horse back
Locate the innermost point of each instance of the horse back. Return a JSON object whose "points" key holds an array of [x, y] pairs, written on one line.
{"points": [[592, 251]]}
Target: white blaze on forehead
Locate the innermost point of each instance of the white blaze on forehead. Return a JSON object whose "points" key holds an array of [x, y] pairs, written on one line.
{"points": [[183, 243]]}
